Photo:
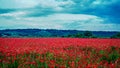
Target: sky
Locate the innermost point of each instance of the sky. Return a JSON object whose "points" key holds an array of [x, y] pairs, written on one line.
{"points": [[92, 15]]}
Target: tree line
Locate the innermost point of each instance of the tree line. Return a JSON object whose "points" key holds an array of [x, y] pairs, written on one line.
{"points": [[88, 34]]}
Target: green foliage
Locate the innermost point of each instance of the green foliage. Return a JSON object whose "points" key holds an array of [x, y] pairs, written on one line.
{"points": [[89, 55], [111, 57], [56, 33], [79, 35], [86, 34], [116, 35]]}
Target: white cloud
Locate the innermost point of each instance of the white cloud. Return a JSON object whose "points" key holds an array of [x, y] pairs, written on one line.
{"points": [[15, 15], [17, 4], [61, 21], [21, 4], [55, 14], [54, 4], [101, 27], [55, 21], [102, 2], [64, 17]]}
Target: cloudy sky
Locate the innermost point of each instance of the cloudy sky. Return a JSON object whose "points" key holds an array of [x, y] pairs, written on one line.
{"points": [[94, 15]]}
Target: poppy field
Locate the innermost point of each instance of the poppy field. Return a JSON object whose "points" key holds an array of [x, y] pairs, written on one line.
{"points": [[59, 53]]}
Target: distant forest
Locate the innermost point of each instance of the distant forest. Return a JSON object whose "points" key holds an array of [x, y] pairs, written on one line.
{"points": [[58, 33]]}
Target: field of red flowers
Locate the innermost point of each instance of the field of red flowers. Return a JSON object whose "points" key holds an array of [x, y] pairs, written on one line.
{"points": [[59, 53]]}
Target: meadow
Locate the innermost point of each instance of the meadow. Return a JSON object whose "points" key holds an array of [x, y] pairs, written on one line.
{"points": [[59, 53]]}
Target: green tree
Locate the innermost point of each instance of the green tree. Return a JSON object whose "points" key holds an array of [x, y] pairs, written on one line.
{"points": [[87, 34], [116, 35], [79, 35]]}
